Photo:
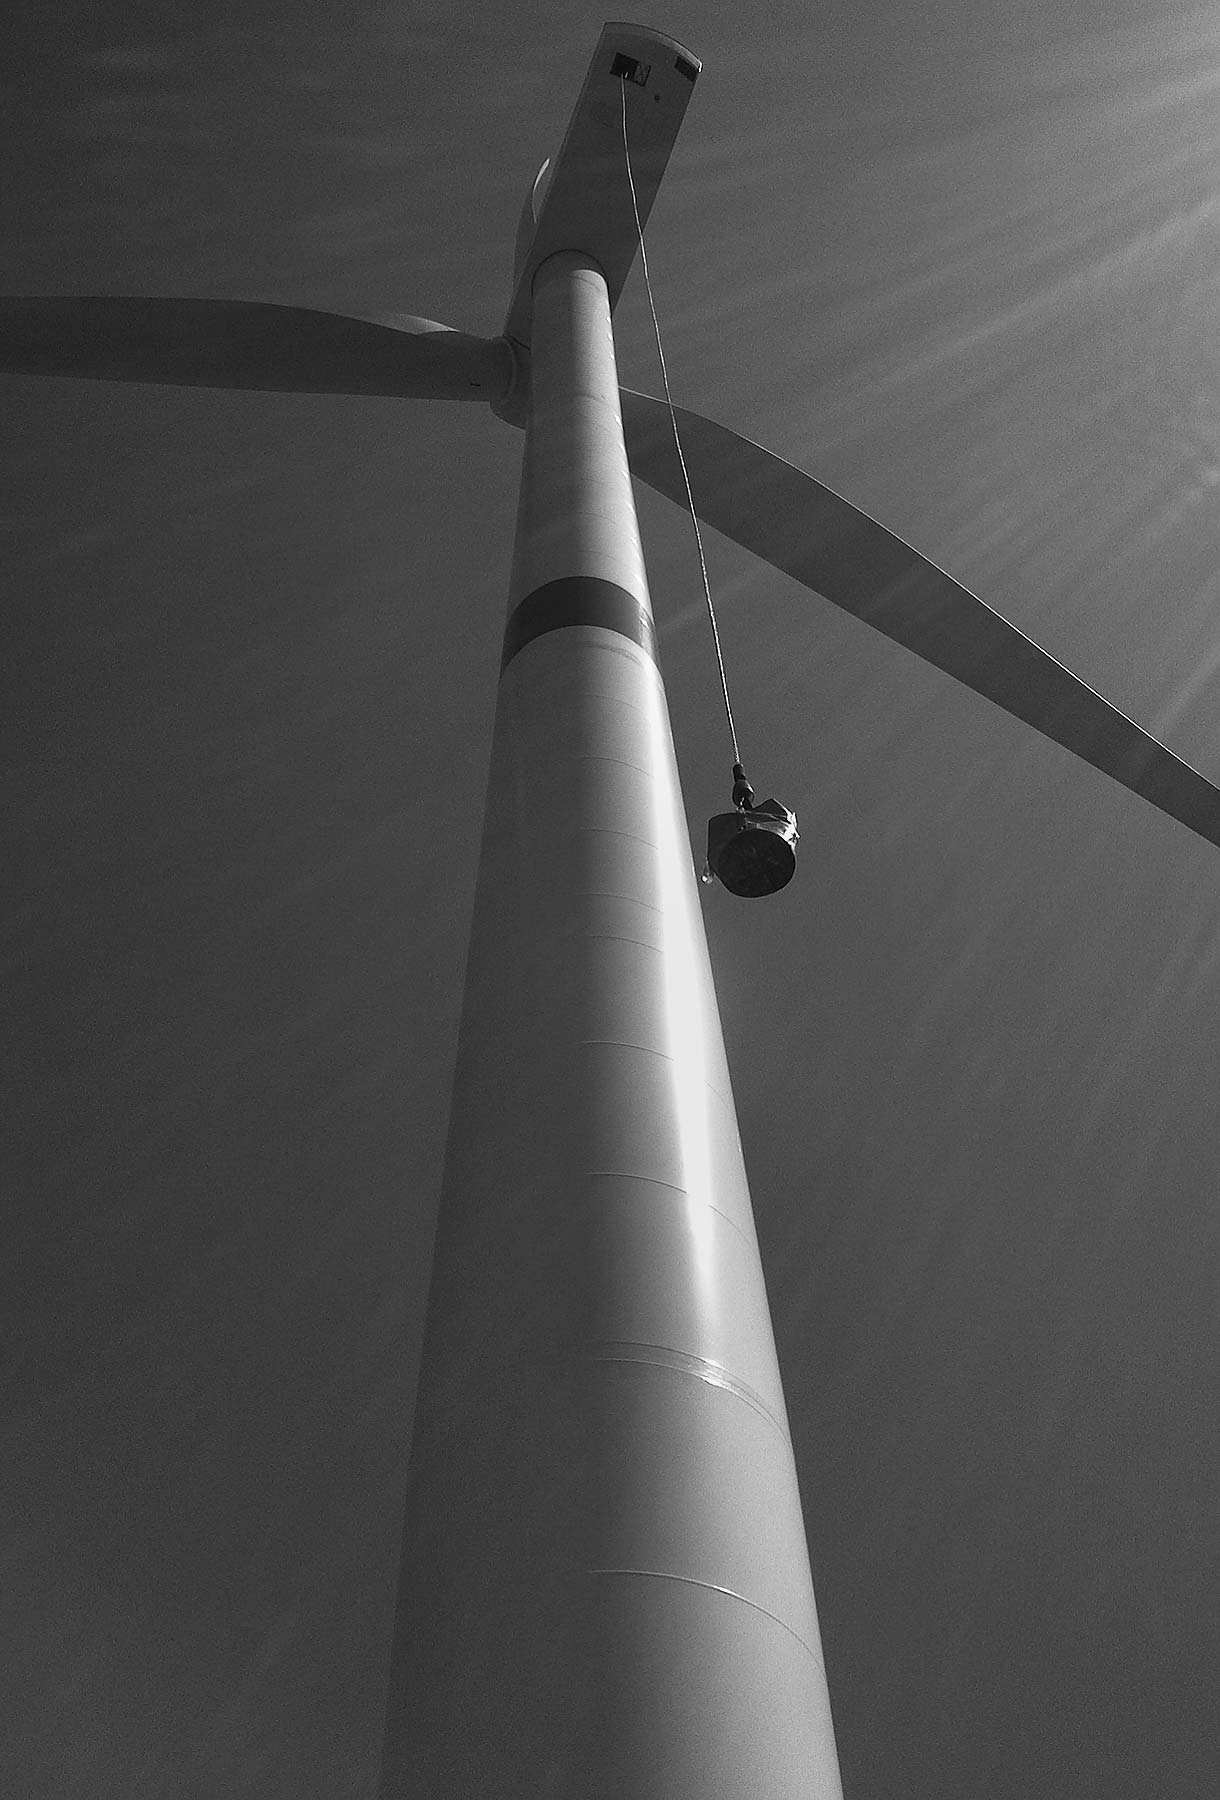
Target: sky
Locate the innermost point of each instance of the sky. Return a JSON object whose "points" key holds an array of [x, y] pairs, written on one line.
{"points": [[960, 262]]}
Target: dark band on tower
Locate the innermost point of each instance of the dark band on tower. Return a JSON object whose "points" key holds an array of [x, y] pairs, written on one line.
{"points": [[578, 600]]}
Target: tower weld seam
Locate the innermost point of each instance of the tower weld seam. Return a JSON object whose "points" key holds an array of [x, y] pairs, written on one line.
{"points": [[714, 1587]]}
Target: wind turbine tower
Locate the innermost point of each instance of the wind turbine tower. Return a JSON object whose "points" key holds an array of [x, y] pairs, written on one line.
{"points": [[605, 1586]]}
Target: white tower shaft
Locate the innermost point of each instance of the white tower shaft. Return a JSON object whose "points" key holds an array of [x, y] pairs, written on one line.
{"points": [[605, 1590]]}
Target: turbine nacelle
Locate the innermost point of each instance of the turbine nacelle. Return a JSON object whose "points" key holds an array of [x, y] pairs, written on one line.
{"points": [[583, 202]]}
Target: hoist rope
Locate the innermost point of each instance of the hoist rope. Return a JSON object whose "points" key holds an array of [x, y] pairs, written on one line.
{"points": [[673, 420]]}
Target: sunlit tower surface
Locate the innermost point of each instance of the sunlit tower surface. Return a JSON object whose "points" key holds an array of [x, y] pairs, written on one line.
{"points": [[605, 1590], [605, 1585]]}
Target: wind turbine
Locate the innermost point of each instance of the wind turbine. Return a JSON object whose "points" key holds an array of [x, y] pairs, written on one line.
{"points": [[605, 1584]]}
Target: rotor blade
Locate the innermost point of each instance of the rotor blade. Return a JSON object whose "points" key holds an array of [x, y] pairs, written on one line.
{"points": [[801, 527], [246, 344]]}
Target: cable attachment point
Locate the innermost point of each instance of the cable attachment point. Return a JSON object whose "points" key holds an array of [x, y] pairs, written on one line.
{"points": [[743, 793]]}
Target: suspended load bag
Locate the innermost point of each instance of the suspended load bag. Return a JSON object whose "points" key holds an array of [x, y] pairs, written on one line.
{"points": [[753, 850]]}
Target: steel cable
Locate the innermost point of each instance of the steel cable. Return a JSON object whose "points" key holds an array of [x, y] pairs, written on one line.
{"points": [[673, 420]]}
